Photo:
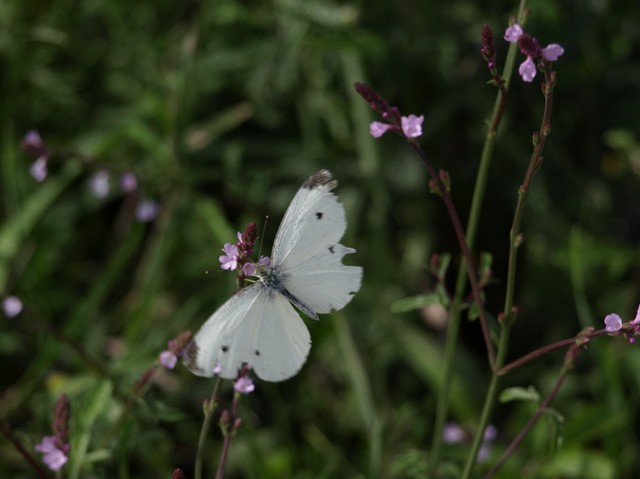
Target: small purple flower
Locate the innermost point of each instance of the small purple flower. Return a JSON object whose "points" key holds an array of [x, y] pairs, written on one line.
{"points": [[412, 126], [513, 33], [128, 182], [12, 306], [244, 385], [99, 184], [490, 433], [146, 211], [613, 323], [249, 269], [452, 433], [168, 359], [552, 52], [54, 457], [229, 260], [377, 128], [38, 169], [33, 142], [527, 70]]}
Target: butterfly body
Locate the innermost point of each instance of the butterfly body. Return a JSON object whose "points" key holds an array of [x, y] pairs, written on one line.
{"points": [[259, 326]]}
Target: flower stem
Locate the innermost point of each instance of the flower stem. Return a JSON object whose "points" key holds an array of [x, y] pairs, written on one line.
{"points": [[472, 227], [210, 406], [544, 350], [515, 240], [229, 433], [466, 253]]}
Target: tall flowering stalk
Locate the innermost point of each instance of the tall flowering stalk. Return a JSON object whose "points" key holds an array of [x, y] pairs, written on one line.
{"points": [[410, 127], [55, 449]]}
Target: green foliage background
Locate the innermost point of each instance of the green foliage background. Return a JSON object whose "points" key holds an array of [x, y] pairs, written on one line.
{"points": [[222, 109]]}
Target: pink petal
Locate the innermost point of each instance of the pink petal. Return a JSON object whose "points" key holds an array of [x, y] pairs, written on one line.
{"points": [[513, 33], [613, 323], [377, 129], [527, 70], [412, 125], [552, 52]]}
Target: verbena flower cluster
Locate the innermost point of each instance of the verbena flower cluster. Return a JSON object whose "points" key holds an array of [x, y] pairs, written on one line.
{"points": [[236, 256], [55, 449], [531, 49]]}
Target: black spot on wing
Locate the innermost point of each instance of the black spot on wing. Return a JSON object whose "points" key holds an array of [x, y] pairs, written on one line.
{"points": [[257, 353], [319, 215], [225, 349], [331, 250]]}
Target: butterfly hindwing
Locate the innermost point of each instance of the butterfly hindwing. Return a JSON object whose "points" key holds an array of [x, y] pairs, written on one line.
{"points": [[322, 282], [255, 326]]}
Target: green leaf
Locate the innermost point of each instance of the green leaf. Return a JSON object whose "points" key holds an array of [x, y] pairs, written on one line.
{"points": [[416, 302], [17, 227], [520, 394], [85, 414]]}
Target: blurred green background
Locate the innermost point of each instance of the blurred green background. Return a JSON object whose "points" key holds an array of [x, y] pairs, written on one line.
{"points": [[222, 109]]}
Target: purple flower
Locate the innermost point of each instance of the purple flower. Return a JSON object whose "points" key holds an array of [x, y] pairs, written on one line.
{"points": [[54, 457], [527, 70], [452, 433], [168, 359], [490, 433], [12, 306], [38, 169], [377, 129], [552, 52], [99, 184], [128, 182], [249, 269], [529, 46], [244, 385], [147, 210], [412, 126], [513, 33], [613, 323], [33, 142], [229, 260]]}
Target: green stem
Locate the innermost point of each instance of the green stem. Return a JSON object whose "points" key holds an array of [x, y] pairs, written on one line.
{"points": [[492, 392], [461, 280], [515, 240], [209, 408]]}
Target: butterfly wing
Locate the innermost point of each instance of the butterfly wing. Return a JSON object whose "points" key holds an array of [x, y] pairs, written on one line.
{"points": [[322, 282], [314, 220], [256, 326], [306, 250]]}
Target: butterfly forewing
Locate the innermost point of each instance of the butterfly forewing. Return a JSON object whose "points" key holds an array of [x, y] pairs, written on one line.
{"points": [[314, 220]]}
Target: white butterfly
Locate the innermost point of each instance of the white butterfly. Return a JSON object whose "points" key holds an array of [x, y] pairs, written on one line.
{"points": [[258, 325]]}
